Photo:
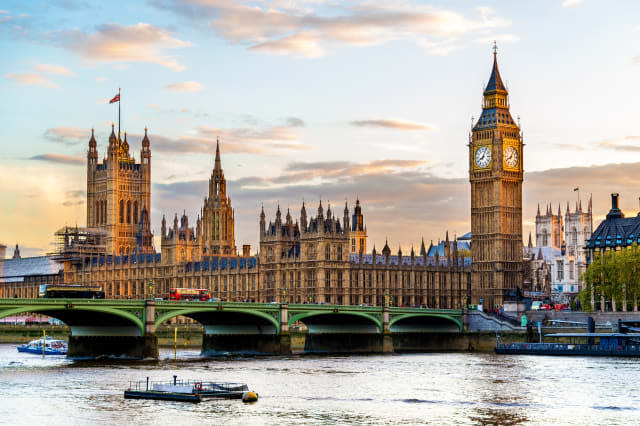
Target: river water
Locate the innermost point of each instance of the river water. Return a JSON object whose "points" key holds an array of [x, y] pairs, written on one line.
{"points": [[382, 389]]}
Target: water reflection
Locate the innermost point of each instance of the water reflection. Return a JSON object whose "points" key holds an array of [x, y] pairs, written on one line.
{"points": [[396, 389]]}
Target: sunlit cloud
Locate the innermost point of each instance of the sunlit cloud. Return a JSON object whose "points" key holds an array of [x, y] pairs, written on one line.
{"points": [[67, 135], [569, 3], [59, 159], [185, 86], [53, 69], [121, 44], [303, 30], [392, 124], [31, 79]]}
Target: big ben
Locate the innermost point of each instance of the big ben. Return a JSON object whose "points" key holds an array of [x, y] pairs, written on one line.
{"points": [[496, 174]]}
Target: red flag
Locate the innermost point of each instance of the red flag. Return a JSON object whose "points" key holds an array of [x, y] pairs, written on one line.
{"points": [[115, 99]]}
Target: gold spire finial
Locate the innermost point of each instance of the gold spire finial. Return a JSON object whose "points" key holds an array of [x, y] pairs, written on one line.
{"points": [[495, 48]]}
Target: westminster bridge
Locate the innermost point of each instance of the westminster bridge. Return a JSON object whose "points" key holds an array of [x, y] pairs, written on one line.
{"points": [[128, 327]]}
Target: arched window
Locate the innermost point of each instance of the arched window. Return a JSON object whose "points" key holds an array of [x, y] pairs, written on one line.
{"points": [[121, 211], [339, 252], [135, 212], [545, 238], [97, 212], [327, 252], [128, 211]]}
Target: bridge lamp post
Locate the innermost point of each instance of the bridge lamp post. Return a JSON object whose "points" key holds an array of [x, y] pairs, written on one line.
{"points": [[150, 290], [284, 294], [386, 298]]}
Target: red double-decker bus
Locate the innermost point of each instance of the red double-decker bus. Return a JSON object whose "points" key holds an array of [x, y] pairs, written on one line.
{"points": [[201, 294]]}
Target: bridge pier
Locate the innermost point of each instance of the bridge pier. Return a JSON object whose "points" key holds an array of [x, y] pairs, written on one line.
{"points": [[134, 347]]}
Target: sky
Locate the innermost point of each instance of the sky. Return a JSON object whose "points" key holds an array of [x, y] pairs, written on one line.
{"points": [[331, 100]]}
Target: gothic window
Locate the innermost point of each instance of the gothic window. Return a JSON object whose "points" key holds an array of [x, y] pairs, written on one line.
{"points": [[361, 244], [353, 245], [560, 272], [327, 252], [310, 280], [339, 257], [299, 279], [135, 212], [97, 212], [128, 211], [545, 238], [121, 211], [573, 239], [253, 282], [339, 279], [327, 279]]}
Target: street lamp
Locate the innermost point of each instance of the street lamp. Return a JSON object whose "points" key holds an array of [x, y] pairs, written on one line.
{"points": [[284, 294], [150, 290], [386, 298]]}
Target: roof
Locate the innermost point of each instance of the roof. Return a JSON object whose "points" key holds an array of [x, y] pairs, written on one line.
{"points": [[462, 245], [616, 230], [495, 81], [14, 270]]}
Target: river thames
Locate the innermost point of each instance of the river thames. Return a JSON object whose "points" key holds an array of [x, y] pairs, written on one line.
{"points": [[445, 388]]}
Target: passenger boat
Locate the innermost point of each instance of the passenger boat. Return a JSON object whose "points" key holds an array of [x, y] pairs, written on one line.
{"points": [[625, 343], [188, 390], [51, 347]]}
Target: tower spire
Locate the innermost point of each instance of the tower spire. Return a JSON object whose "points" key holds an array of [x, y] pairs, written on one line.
{"points": [[217, 164]]}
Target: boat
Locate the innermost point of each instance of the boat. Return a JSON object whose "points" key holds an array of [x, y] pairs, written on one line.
{"points": [[51, 347], [625, 343], [188, 390]]}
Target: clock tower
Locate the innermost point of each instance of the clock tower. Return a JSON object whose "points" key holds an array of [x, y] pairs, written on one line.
{"points": [[495, 173]]}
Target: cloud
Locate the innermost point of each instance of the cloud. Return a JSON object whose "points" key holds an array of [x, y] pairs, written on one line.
{"points": [[67, 135], [621, 144], [185, 86], [309, 29], [53, 69], [31, 79], [295, 122], [75, 198], [59, 159], [100, 79], [392, 124], [122, 44], [255, 138], [569, 3]]}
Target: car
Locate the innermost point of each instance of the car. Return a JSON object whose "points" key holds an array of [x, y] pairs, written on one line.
{"points": [[546, 307], [536, 306]]}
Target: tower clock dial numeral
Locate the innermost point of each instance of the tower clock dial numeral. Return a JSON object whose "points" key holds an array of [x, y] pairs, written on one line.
{"points": [[511, 157], [482, 157]]}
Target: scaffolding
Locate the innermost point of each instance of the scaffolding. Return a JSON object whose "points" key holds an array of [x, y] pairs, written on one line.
{"points": [[74, 244]]}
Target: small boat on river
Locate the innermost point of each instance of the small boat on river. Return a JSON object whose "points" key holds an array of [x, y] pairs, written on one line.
{"points": [[188, 390], [51, 347]]}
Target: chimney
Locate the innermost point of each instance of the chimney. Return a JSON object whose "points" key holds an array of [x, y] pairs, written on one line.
{"points": [[246, 250], [615, 212], [614, 201]]}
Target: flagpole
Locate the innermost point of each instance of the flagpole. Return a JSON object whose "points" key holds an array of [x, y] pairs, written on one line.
{"points": [[119, 101]]}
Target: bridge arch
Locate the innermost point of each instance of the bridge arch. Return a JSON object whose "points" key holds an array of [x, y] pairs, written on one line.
{"points": [[424, 320], [73, 316], [199, 314], [333, 315]]}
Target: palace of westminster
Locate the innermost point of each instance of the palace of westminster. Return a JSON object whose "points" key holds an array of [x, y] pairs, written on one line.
{"points": [[318, 257]]}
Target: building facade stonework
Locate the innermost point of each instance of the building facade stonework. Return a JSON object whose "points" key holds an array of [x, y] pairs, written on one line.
{"points": [[118, 192], [496, 175]]}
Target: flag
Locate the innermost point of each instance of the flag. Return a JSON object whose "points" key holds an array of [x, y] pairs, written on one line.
{"points": [[116, 98], [574, 189]]}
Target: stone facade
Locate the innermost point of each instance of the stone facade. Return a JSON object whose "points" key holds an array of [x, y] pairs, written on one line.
{"points": [[496, 174], [119, 194]]}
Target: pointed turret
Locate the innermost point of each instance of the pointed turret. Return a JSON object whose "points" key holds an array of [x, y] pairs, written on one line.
{"points": [[386, 251], [113, 142], [538, 213], [288, 217], [278, 216], [530, 244], [217, 166], [16, 252], [568, 211], [320, 211], [590, 202], [423, 251], [303, 218], [559, 213], [163, 229], [263, 222]]}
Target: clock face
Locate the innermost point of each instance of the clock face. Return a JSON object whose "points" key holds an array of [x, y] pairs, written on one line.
{"points": [[511, 157], [482, 157]]}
